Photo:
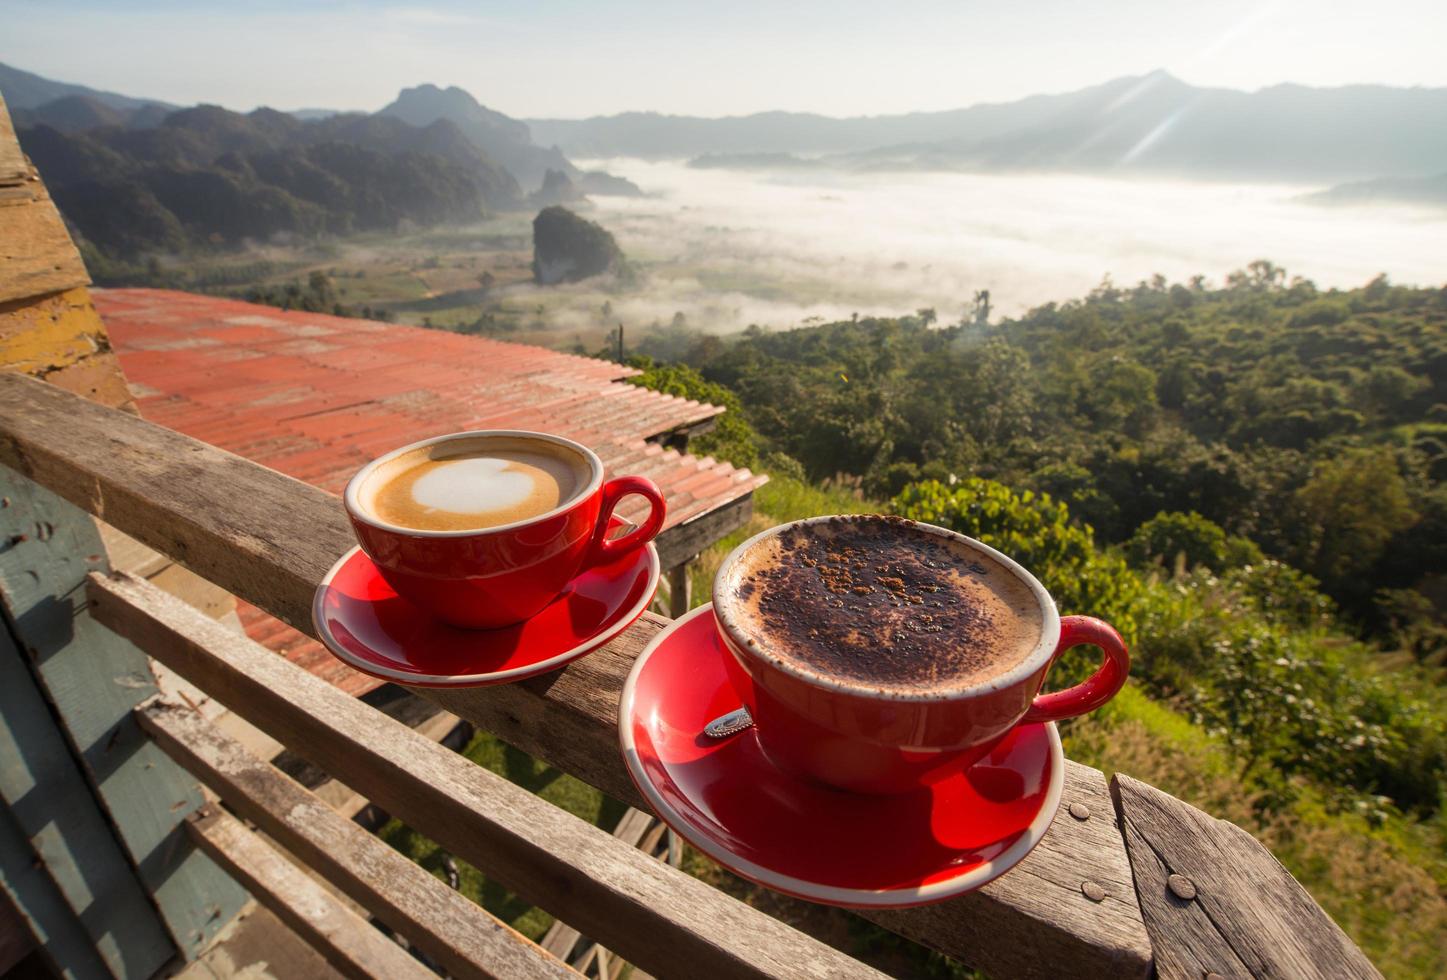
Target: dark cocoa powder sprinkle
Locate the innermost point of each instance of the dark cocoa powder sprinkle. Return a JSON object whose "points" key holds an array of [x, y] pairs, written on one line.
{"points": [[857, 599]]}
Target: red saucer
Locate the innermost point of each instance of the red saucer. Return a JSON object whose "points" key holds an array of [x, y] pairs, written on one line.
{"points": [[368, 626], [806, 839]]}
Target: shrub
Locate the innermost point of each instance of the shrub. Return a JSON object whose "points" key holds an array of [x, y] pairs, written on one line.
{"points": [[1169, 537], [732, 438]]}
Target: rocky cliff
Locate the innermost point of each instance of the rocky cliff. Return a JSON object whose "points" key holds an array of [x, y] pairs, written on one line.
{"points": [[567, 248]]}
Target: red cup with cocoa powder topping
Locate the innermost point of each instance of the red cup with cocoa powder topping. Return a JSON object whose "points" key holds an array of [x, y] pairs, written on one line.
{"points": [[878, 654]]}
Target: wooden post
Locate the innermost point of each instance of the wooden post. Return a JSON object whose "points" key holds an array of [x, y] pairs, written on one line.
{"points": [[1217, 904], [120, 838], [680, 593]]}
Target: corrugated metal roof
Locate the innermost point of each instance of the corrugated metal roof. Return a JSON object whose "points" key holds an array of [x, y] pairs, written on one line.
{"points": [[317, 396]]}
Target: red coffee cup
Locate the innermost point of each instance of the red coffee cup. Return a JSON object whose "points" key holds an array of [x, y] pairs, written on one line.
{"points": [[498, 576], [875, 740]]}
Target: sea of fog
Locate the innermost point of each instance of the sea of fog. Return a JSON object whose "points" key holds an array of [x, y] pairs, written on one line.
{"points": [[730, 248]]}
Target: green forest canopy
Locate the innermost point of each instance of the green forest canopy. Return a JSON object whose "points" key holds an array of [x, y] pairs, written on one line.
{"points": [[1247, 480]]}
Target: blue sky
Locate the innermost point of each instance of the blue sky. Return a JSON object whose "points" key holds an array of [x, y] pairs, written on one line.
{"points": [[570, 59]]}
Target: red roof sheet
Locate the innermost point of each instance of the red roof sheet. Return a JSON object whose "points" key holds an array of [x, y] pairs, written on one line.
{"points": [[316, 396]]}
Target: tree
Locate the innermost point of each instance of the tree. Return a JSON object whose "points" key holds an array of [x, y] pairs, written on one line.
{"points": [[1348, 510], [981, 316]]}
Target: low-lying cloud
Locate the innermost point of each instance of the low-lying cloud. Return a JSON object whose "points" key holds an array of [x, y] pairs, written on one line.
{"points": [[732, 248]]}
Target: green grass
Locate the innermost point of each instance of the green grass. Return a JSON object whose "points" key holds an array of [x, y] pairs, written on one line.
{"points": [[380, 287]]}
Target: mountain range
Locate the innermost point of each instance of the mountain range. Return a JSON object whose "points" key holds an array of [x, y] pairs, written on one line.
{"points": [[26, 90], [135, 176], [1146, 124]]}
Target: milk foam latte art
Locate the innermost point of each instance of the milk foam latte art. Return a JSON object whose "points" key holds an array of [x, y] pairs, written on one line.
{"points": [[486, 488]]}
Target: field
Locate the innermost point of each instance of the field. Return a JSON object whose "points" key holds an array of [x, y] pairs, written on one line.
{"points": [[478, 280]]}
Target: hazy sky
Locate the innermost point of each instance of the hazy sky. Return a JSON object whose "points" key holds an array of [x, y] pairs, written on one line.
{"points": [[572, 58]]}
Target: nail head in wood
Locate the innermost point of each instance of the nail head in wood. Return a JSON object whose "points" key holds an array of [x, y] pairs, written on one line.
{"points": [[1080, 811], [1093, 891], [1181, 887]]}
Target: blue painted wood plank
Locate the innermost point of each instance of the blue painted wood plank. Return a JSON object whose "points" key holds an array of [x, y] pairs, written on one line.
{"points": [[48, 803], [61, 937], [94, 678]]}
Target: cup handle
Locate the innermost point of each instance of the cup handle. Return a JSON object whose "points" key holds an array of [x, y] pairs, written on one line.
{"points": [[1095, 690], [606, 549]]}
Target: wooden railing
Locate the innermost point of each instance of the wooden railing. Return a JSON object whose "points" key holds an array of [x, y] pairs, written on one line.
{"points": [[1127, 880]]}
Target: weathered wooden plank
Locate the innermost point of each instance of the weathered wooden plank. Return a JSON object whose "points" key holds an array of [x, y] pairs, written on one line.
{"points": [[107, 927], [269, 539], [92, 679], [1050, 886], [561, 937], [1217, 902], [50, 920], [459, 935], [218, 514], [347, 941], [650, 913]]}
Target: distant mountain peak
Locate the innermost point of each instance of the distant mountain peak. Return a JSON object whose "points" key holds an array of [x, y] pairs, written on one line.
{"points": [[452, 95], [499, 136], [27, 90], [426, 103]]}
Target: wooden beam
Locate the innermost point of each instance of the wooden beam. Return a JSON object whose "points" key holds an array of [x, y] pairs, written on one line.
{"points": [[348, 942], [561, 937], [460, 935], [212, 511], [269, 539], [1217, 903], [650, 913]]}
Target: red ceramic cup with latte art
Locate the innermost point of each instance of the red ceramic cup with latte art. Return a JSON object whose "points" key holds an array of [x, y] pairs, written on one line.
{"points": [[880, 741], [499, 576]]}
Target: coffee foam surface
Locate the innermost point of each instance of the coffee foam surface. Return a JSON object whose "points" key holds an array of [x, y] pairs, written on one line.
{"points": [[488, 486], [877, 603], [473, 486]]}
